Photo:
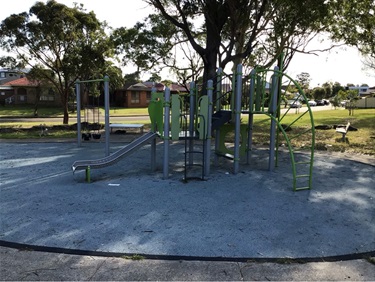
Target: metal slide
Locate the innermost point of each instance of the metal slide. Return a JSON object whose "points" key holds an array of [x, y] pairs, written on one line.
{"points": [[115, 157]]}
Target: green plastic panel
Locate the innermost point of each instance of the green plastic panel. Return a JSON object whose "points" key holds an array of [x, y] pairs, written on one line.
{"points": [[203, 117], [155, 111], [177, 106]]}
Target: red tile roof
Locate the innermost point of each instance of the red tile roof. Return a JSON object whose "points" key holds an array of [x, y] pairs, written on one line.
{"points": [[23, 81]]}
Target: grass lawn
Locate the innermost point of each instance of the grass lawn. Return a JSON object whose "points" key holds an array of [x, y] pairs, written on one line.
{"points": [[28, 111], [361, 141]]}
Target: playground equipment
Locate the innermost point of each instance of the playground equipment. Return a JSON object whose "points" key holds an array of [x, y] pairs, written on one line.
{"points": [[174, 120], [113, 158], [253, 95], [91, 110], [246, 96], [106, 104], [108, 160]]}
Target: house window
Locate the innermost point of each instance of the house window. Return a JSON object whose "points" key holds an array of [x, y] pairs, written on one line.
{"points": [[22, 98], [47, 98], [21, 95], [148, 97], [135, 97], [50, 96]]}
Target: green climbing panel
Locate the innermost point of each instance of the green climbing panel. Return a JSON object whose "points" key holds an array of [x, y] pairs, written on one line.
{"points": [[228, 129], [202, 117], [155, 111], [176, 124]]}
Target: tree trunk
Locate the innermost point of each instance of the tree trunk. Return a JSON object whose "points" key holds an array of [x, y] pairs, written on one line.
{"points": [[209, 73], [64, 102], [37, 98], [66, 115]]}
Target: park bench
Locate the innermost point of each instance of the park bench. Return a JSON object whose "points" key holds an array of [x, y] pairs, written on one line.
{"points": [[343, 130], [127, 125]]}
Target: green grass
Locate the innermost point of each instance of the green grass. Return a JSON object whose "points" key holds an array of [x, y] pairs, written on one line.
{"points": [[22, 133], [127, 111], [361, 141], [28, 111]]}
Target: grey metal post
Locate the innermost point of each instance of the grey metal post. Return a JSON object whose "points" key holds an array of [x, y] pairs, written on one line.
{"points": [[237, 120], [207, 141], [218, 106], [219, 75], [106, 103], [153, 144], [167, 95], [192, 121], [272, 111], [78, 98], [251, 116]]}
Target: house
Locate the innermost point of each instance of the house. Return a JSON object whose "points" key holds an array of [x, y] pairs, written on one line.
{"points": [[9, 75], [16, 88], [138, 95], [363, 91]]}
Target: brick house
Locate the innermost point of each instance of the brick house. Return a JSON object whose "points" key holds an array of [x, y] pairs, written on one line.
{"points": [[16, 88], [138, 95]]}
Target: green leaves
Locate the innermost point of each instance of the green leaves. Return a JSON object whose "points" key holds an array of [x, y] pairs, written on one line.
{"points": [[353, 22], [59, 43]]}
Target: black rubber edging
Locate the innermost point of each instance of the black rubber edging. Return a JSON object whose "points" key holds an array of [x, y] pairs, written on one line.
{"points": [[27, 247]]}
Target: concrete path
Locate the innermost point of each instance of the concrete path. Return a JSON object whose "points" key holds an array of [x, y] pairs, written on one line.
{"points": [[17, 265], [228, 218]]}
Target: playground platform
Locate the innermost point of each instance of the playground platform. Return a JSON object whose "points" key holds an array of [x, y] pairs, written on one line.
{"points": [[127, 209]]}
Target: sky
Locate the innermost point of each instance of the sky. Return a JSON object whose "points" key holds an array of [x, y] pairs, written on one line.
{"points": [[341, 64]]}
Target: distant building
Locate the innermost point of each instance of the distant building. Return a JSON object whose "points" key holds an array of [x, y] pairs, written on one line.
{"points": [[16, 88], [9, 75], [138, 95], [363, 91]]}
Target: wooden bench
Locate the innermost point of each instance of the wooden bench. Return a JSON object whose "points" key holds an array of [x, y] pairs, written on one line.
{"points": [[343, 130], [127, 125]]}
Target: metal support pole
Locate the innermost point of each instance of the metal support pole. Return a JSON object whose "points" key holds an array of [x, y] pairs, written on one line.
{"points": [[251, 116], [272, 111], [191, 121], [218, 107], [237, 120], [88, 174], [167, 95], [219, 75], [207, 141], [106, 102], [78, 98], [153, 143]]}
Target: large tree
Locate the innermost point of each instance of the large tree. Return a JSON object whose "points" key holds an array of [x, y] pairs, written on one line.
{"points": [[353, 21], [293, 25], [232, 29], [59, 43], [155, 44], [147, 45]]}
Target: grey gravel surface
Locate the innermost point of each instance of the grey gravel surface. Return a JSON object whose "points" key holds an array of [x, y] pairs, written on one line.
{"points": [[129, 209]]}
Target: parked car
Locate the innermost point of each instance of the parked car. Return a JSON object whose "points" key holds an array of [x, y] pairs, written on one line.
{"points": [[294, 104], [343, 103], [319, 102], [326, 102], [311, 103]]}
